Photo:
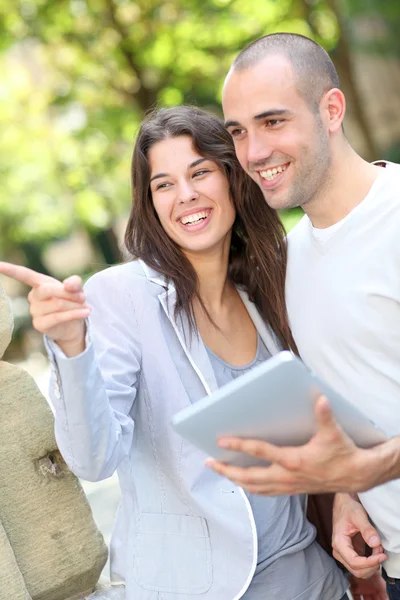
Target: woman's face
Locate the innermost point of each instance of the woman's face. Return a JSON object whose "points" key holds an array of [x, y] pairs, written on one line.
{"points": [[190, 195]]}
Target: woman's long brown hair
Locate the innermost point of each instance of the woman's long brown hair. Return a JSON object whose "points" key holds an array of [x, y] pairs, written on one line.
{"points": [[257, 260]]}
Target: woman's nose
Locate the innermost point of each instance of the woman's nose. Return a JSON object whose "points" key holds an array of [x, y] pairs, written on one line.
{"points": [[187, 192]]}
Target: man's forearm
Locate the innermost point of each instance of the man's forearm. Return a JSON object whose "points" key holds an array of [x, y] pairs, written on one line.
{"points": [[385, 461]]}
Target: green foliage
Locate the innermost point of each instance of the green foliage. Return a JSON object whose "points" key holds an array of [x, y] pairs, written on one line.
{"points": [[380, 25], [76, 77]]}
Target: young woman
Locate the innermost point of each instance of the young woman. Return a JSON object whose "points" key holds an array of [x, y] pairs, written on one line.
{"points": [[202, 302]]}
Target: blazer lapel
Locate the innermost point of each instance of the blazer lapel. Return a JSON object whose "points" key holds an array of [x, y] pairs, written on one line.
{"points": [[191, 342]]}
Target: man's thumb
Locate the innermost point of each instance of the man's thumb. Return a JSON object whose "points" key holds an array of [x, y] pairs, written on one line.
{"points": [[367, 531], [323, 412]]}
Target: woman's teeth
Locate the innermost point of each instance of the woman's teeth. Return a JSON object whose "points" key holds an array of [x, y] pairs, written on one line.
{"points": [[270, 174], [195, 217]]}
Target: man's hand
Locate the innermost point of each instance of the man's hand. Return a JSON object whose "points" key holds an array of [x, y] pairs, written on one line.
{"points": [[351, 531], [58, 309], [373, 588], [329, 462]]}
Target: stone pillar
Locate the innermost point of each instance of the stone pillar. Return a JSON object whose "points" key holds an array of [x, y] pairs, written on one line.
{"points": [[47, 525]]}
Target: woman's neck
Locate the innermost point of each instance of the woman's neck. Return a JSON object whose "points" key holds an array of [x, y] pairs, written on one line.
{"points": [[212, 271]]}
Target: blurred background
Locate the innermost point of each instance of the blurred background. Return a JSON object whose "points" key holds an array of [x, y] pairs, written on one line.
{"points": [[77, 76]]}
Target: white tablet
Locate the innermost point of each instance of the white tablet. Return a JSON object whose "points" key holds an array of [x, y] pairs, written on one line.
{"points": [[272, 402]]}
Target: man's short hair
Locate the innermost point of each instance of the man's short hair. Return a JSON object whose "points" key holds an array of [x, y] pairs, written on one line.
{"points": [[314, 71]]}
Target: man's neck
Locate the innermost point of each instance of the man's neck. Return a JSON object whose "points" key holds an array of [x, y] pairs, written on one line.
{"points": [[350, 179]]}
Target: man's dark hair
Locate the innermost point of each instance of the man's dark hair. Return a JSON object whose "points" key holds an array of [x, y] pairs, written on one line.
{"points": [[314, 71]]}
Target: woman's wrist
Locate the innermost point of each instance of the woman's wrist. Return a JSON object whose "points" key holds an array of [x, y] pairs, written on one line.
{"points": [[72, 349]]}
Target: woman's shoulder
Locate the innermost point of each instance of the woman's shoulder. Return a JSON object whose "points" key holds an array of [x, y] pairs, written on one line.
{"points": [[125, 279], [121, 272]]}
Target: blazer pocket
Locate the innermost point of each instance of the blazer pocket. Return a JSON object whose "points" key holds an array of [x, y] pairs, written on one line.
{"points": [[172, 553]]}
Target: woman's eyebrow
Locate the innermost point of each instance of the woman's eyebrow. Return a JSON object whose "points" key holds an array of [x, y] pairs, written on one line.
{"points": [[159, 175], [197, 162], [193, 164]]}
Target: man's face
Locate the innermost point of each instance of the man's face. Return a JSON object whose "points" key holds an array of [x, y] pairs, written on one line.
{"points": [[279, 141]]}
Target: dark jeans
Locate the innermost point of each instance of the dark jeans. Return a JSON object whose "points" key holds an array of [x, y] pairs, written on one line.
{"points": [[392, 586]]}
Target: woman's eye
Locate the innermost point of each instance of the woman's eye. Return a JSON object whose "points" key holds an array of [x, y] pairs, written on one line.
{"points": [[164, 185], [201, 172]]}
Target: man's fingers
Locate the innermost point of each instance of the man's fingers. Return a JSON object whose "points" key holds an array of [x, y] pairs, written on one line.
{"points": [[360, 572], [261, 479], [24, 275], [223, 469], [259, 449], [343, 547], [238, 475]]}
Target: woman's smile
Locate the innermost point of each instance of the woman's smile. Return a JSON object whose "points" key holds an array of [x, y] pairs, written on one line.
{"points": [[196, 219]]}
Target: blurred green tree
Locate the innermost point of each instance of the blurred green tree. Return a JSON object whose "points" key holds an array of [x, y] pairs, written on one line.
{"points": [[76, 77]]}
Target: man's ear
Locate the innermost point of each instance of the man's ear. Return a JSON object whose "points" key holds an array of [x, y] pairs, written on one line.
{"points": [[333, 109]]}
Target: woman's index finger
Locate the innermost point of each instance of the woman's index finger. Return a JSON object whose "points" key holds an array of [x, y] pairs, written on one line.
{"points": [[24, 275]]}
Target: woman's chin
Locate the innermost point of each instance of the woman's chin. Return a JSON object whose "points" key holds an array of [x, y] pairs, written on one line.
{"points": [[205, 248]]}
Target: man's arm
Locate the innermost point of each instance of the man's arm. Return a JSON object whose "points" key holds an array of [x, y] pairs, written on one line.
{"points": [[329, 462]]}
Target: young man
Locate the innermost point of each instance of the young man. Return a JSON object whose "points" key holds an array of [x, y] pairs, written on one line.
{"points": [[285, 111]]}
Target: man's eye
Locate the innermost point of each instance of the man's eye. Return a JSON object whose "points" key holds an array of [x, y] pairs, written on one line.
{"points": [[274, 122], [236, 132]]}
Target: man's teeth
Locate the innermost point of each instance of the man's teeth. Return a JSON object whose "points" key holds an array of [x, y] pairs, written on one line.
{"points": [[195, 217], [272, 173]]}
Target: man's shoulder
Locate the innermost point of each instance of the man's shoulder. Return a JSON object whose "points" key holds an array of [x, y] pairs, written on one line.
{"points": [[386, 164], [392, 170], [386, 200]]}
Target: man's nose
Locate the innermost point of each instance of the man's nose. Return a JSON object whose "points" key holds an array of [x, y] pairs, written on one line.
{"points": [[187, 192], [258, 150]]}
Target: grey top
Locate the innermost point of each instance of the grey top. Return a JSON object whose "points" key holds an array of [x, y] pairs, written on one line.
{"points": [[277, 519]]}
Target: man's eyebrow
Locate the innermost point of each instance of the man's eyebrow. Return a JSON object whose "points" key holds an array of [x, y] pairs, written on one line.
{"points": [[231, 124], [273, 112], [193, 164]]}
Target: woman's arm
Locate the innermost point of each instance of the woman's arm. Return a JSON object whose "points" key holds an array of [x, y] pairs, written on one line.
{"points": [[93, 393]]}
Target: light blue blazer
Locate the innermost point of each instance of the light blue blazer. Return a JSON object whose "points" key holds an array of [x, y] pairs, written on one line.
{"points": [[181, 530]]}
